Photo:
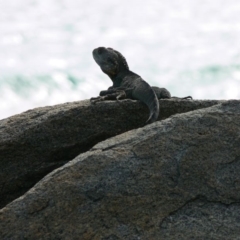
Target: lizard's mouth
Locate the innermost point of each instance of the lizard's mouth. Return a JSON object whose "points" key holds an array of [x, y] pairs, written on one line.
{"points": [[95, 55]]}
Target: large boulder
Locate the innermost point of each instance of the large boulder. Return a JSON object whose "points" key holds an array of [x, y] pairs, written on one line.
{"points": [[34, 143], [174, 179]]}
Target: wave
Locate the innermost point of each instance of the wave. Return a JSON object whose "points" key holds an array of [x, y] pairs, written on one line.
{"points": [[22, 92]]}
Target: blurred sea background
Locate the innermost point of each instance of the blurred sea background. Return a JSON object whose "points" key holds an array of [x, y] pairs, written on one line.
{"points": [[191, 47]]}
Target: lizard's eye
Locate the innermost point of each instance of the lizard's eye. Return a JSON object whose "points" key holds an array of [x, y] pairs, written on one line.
{"points": [[100, 50]]}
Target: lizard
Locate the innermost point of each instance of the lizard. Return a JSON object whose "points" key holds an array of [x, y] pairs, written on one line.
{"points": [[127, 84]]}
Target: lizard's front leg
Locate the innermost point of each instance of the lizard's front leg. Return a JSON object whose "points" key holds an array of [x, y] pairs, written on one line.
{"points": [[112, 96], [111, 90], [117, 95], [121, 95]]}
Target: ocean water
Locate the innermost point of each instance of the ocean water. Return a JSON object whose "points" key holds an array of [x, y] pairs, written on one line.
{"points": [[191, 47]]}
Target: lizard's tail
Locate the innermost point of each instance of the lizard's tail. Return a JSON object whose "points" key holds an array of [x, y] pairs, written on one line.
{"points": [[188, 97], [154, 110], [145, 94]]}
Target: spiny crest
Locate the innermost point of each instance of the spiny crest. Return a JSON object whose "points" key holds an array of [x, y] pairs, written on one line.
{"points": [[123, 59]]}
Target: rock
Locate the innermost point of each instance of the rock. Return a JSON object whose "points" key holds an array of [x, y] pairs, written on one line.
{"points": [[174, 179], [34, 143]]}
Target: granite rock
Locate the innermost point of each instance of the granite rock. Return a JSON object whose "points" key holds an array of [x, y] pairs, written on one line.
{"points": [[34, 143], [174, 179]]}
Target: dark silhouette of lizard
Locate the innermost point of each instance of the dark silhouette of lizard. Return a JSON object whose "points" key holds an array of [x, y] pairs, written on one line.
{"points": [[127, 84]]}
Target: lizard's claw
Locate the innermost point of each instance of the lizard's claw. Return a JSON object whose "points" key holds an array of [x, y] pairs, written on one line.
{"points": [[121, 95], [95, 99]]}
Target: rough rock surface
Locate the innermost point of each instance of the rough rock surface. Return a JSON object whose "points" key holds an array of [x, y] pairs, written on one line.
{"points": [[174, 179], [34, 143]]}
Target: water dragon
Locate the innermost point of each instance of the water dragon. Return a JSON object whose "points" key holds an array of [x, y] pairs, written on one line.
{"points": [[127, 84]]}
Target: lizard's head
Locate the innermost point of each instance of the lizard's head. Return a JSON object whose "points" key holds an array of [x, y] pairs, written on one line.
{"points": [[110, 61]]}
